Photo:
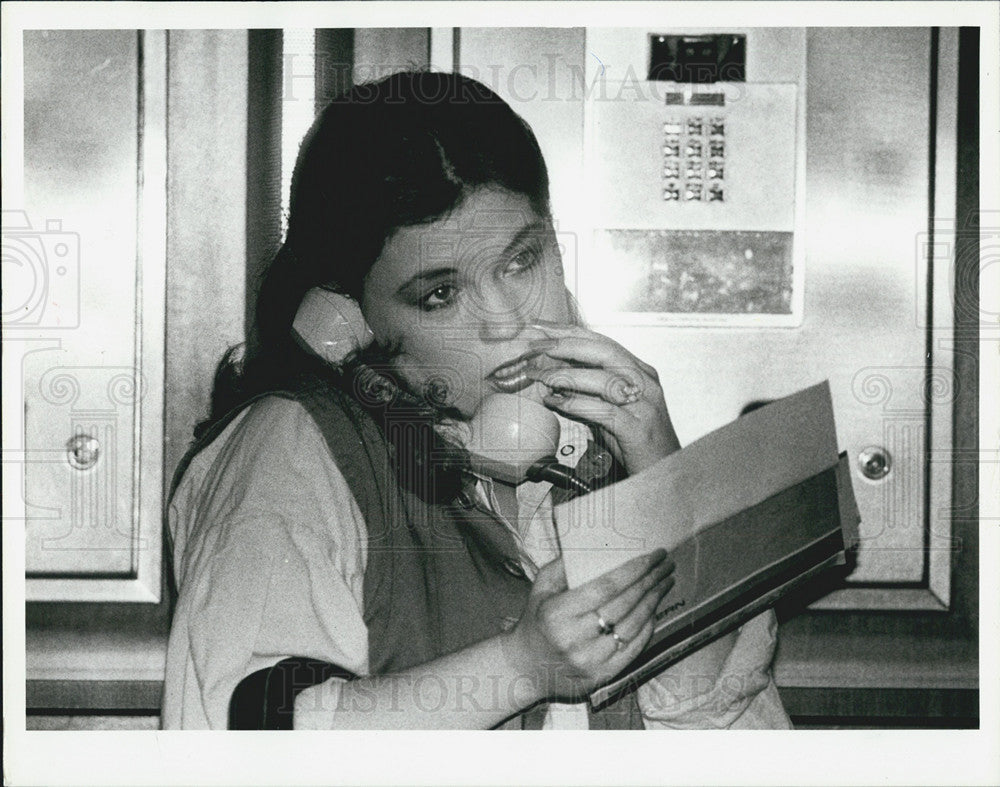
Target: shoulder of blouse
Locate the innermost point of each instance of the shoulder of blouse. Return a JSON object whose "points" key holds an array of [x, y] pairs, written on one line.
{"points": [[273, 457]]}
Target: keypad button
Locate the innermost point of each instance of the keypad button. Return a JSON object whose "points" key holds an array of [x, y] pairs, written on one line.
{"points": [[672, 149], [673, 127], [671, 194], [671, 169], [694, 126], [717, 127], [717, 149], [716, 171], [693, 148], [692, 192], [715, 194], [693, 170]]}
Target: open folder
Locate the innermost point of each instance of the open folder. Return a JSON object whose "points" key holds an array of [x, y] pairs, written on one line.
{"points": [[748, 512]]}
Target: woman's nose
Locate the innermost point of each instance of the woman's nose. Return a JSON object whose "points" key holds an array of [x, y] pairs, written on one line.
{"points": [[504, 314]]}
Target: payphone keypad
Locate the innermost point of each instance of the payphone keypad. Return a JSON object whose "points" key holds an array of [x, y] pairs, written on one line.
{"points": [[694, 154]]}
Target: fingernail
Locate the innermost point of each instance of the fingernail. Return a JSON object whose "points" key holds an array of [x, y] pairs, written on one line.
{"points": [[555, 396], [631, 389], [541, 345]]}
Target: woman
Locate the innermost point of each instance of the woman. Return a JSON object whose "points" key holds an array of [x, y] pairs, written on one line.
{"points": [[340, 564]]}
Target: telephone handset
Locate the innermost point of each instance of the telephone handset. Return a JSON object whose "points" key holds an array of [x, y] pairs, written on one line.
{"points": [[512, 438], [331, 325]]}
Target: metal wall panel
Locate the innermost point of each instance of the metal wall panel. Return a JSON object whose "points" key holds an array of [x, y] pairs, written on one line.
{"points": [[95, 194]]}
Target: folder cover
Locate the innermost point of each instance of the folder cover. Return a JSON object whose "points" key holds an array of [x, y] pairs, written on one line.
{"points": [[748, 512]]}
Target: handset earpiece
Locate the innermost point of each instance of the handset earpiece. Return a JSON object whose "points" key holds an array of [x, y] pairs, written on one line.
{"points": [[331, 325]]}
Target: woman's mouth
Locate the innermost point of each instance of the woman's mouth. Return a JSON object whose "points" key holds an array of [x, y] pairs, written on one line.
{"points": [[512, 376]]}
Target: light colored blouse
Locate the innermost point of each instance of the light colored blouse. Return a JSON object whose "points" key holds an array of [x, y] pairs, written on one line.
{"points": [[270, 552]]}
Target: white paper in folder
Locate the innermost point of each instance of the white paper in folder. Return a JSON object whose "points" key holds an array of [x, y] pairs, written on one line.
{"points": [[728, 471]]}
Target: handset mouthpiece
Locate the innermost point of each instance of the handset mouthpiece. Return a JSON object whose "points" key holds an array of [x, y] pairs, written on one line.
{"points": [[515, 438], [509, 434]]}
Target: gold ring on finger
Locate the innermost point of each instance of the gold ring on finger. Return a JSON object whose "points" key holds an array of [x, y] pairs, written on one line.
{"points": [[603, 625], [620, 642]]}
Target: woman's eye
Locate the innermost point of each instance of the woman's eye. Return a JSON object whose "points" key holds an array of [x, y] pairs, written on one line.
{"points": [[440, 296], [522, 261]]}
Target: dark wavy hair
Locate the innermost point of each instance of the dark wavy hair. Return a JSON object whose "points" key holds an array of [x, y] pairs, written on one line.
{"points": [[403, 151]]}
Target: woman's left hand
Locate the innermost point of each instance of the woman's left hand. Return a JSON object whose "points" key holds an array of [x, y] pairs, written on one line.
{"points": [[607, 387]]}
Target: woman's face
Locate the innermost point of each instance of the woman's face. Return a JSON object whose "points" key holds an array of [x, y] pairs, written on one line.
{"points": [[457, 298]]}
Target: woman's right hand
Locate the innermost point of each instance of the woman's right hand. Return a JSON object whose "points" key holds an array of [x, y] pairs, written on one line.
{"points": [[558, 643]]}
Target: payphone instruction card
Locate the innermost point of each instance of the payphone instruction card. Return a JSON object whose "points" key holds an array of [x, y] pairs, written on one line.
{"points": [[746, 512]]}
